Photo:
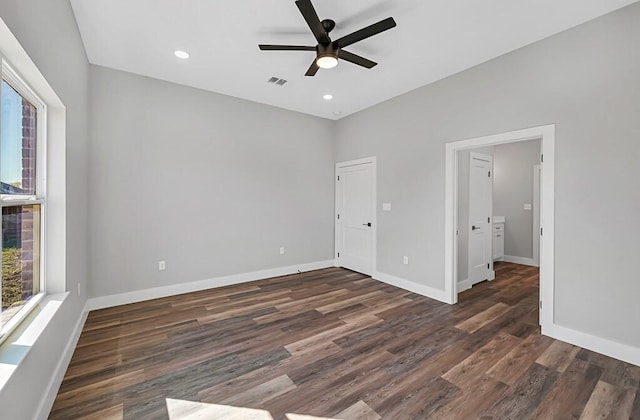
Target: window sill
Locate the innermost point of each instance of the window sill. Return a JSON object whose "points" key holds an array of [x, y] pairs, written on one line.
{"points": [[18, 343], [18, 317]]}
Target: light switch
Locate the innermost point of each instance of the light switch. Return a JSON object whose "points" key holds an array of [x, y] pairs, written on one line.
{"points": [[386, 206], [527, 206]]}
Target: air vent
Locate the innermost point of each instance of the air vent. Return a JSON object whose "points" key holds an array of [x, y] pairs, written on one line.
{"points": [[276, 81]]}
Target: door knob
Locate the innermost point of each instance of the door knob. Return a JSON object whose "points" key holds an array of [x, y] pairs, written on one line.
{"points": [[475, 227], [367, 224]]}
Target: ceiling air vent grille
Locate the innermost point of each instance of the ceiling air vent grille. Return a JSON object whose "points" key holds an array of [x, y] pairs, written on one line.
{"points": [[276, 81]]}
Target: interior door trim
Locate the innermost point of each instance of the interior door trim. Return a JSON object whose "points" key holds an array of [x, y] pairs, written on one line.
{"points": [[547, 205]]}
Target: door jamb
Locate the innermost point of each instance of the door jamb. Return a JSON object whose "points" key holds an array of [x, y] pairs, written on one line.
{"points": [[374, 214], [547, 185], [537, 175]]}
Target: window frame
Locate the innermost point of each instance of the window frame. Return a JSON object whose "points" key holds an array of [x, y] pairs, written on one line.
{"points": [[13, 78]]}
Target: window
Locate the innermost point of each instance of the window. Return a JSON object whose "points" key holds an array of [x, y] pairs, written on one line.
{"points": [[22, 199]]}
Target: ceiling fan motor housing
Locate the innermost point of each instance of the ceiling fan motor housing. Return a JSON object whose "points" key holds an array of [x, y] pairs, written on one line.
{"points": [[330, 50]]}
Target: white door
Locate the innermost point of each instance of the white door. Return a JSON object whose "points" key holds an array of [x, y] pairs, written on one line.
{"points": [[480, 208], [355, 215]]}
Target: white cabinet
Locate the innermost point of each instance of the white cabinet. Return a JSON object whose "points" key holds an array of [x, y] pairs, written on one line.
{"points": [[498, 238]]}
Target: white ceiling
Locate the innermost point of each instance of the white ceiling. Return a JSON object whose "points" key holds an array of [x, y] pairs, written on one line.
{"points": [[433, 40]]}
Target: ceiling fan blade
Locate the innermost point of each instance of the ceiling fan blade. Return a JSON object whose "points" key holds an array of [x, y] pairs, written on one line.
{"points": [[356, 59], [309, 14], [313, 69], [364, 33], [264, 47]]}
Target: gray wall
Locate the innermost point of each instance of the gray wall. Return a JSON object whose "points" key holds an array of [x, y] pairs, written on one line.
{"points": [[47, 31], [463, 208], [586, 81], [513, 187], [212, 184]]}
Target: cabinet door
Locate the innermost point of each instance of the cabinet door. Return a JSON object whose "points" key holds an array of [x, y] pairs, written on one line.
{"points": [[498, 245]]}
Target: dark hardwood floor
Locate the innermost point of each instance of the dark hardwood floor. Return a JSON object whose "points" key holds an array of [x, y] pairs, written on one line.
{"points": [[336, 344]]}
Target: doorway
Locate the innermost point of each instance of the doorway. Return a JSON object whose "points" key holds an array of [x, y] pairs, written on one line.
{"points": [[546, 135], [356, 222], [496, 195]]}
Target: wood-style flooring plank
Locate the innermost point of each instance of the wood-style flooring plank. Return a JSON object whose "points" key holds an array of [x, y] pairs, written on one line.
{"points": [[478, 363], [635, 410], [262, 393], [358, 411], [609, 402], [112, 413], [558, 356], [469, 404], [515, 363], [571, 393], [478, 321], [522, 399]]}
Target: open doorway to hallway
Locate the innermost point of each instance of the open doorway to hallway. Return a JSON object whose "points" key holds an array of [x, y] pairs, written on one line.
{"points": [[498, 209], [546, 136]]}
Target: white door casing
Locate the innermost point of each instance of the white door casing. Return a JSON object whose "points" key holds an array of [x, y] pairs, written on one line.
{"points": [[480, 233], [547, 199], [536, 214], [356, 215]]}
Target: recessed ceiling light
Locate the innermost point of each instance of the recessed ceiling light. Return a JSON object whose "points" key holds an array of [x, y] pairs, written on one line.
{"points": [[181, 54], [327, 97]]}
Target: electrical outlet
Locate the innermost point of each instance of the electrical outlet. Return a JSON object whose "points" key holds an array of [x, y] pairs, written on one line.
{"points": [[162, 265], [281, 250], [78, 289], [405, 260]]}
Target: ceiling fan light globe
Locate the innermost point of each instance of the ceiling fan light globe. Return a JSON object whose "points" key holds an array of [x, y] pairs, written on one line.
{"points": [[327, 62]]}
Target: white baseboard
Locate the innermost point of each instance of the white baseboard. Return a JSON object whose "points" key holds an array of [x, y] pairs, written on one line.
{"points": [[520, 260], [411, 286], [600, 345], [177, 289], [46, 403], [464, 285]]}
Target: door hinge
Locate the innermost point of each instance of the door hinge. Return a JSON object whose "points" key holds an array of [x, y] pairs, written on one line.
{"points": [[540, 304], [489, 175], [338, 255], [540, 231], [541, 158], [488, 219], [338, 217], [456, 233], [338, 177], [487, 265]]}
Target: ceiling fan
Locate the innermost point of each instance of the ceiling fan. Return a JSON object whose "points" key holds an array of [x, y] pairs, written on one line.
{"points": [[328, 52]]}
